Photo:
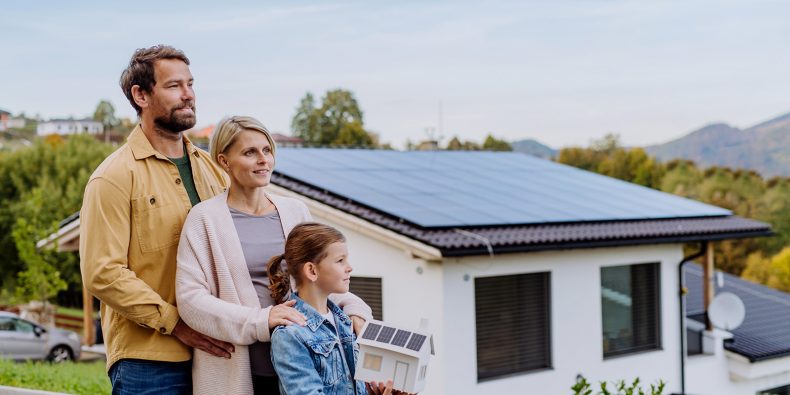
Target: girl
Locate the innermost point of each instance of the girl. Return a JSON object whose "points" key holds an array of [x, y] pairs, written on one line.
{"points": [[320, 357]]}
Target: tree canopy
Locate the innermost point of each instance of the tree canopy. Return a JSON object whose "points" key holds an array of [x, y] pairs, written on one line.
{"points": [[41, 185], [336, 122]]}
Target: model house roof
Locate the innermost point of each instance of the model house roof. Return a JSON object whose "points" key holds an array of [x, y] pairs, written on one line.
{"points": [[471, 203], [765, 332], [406, 341]]}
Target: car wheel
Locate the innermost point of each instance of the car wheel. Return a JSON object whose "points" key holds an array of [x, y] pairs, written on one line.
{"points": [[60, 354]]}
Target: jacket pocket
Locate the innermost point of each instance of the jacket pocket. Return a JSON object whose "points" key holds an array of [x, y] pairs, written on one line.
{"points": [[327, 359], [156, 222]]}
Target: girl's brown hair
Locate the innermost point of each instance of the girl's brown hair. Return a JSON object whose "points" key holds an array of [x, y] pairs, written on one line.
{"points": [[307, 242]]}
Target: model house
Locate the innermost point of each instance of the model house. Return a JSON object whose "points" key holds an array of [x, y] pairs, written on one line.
{"points": [[388, 352], [532, 272]]}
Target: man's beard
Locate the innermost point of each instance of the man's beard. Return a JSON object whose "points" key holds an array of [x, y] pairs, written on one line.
{"points": [[175, 122]]}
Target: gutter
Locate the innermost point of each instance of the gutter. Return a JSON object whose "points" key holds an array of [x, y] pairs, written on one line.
{"points": [[682, 290]]}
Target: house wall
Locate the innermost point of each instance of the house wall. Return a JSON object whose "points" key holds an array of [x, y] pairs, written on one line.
{"points": [[576, 330], [414, 289]]}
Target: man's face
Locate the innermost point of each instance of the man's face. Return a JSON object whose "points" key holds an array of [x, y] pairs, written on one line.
{"points": [[172, 97]]}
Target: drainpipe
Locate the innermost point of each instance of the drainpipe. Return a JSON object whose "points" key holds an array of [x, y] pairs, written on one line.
{"points": [[703, 248]]}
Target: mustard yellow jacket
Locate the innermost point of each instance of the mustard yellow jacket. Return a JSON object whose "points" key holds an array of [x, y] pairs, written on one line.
{"points": [[130, 223]]}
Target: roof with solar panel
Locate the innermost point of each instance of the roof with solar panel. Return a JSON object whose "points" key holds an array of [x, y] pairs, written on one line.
{"points": [[404, 341], [509, 201]]}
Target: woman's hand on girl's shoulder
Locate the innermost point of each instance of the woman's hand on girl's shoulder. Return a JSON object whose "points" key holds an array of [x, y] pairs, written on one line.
{"points": [[285, 314], [375, 388]]}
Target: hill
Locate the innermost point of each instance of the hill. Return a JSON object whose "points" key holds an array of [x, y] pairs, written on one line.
{"points": [[534, 148], [764, 148]]}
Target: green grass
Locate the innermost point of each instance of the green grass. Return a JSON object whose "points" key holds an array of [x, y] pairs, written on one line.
{"points": [[69, 377], [74, 312]]}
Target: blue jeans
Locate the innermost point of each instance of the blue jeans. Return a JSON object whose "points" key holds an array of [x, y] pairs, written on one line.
{"points": [[137, 376]]}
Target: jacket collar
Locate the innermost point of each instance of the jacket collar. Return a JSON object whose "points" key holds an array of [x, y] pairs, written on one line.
{"points": [[142, 148], [314, 318]]}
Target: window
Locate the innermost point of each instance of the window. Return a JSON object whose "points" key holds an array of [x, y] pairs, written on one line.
{"points": [[783, 390], [513, 326], [6, 324], [630, 309], [423, 371], [372, 362], [369, 289], [24, 326]]}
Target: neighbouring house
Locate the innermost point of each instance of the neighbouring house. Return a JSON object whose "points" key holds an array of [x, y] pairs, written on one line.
{"points": [[284, 141], [393, 352], [530, 272], [755, 357], [7, 121], [203, 133], [69, 126]]}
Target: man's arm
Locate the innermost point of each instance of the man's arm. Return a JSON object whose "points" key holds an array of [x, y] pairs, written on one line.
{"points": [[105, 234]]}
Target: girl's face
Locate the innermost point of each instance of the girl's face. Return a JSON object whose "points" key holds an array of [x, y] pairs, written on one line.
{"points": [[249, 160], [333, 273]]}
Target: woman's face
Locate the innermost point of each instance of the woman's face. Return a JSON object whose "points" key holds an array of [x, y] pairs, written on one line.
{"points": [[249, 161], [334, 271]]}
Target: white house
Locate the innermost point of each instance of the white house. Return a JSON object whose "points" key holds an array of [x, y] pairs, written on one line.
{"points": [[531, 272], [393, 352], [8, 122], [69, 126]]}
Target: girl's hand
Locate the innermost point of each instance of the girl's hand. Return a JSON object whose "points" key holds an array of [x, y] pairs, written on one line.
{"points": [[285, 314], [375, 388]]}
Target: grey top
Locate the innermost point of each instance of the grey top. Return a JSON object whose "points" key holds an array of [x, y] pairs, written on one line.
{"points": [[261, 238]]}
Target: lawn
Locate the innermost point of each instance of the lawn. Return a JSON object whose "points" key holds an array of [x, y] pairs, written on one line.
{"points": [[69, 377]]}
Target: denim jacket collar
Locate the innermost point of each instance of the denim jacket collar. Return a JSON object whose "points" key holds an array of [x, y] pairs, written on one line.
{"points": [[314, 318]]}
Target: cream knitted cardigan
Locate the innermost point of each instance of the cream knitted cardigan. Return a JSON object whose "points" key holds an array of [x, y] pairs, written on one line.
{"points": [[215, 295]]}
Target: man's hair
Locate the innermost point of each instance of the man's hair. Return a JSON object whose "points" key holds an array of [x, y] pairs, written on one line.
{"points": [[141, 69]]}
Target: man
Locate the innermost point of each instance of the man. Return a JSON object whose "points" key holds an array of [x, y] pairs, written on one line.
{"points": [[134, 207]]}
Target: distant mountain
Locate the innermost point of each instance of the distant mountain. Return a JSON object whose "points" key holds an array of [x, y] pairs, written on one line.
{"points": [[534, 148], [764, 147]]}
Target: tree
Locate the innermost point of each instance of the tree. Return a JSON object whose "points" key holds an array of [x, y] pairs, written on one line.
{"points": [[105, 113], [41, 185], [305, 122], [338, 121], [492, 143]]}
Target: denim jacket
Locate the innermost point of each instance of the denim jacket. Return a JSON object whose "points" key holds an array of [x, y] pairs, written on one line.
{"points": [[308, 359]]}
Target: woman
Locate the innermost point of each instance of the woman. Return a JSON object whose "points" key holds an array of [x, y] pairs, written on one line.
{"points": [[221, 283]]}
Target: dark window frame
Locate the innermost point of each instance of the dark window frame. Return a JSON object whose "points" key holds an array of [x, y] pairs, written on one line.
{"points": [[493, 291], [656, 311]]}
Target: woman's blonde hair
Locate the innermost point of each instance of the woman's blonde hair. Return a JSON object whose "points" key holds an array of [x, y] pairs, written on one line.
{"points": [[307, 242], [229, 128]]}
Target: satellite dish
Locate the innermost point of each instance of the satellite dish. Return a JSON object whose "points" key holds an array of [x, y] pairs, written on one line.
{"points": [[726, 311]]}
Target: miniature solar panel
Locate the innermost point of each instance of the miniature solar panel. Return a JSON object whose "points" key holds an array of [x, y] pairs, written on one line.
{"points": [[386, 335], [462, 188], [371, 332], [400, 338], [416, 341]]}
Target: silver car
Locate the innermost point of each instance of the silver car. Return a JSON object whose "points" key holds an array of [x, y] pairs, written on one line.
{"points": [[21, 339]]}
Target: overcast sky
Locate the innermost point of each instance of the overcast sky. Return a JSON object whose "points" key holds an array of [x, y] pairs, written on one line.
{"points": [[560, 71]]}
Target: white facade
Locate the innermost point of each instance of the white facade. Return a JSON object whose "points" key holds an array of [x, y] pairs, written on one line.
{"points": [[69, 126], [417, 285]]}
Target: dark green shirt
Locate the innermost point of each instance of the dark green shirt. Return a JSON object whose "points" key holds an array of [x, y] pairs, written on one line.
{"points": [[185, 170]]}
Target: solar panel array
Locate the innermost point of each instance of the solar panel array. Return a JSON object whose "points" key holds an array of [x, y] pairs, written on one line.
{"points": [[452, 188], [396, 337]]}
